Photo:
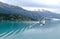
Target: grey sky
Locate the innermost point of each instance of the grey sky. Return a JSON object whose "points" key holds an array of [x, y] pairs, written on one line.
{"points": [[49, 4]]}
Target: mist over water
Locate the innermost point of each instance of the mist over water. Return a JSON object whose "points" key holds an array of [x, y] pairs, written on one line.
{"points": [[29, 30]]}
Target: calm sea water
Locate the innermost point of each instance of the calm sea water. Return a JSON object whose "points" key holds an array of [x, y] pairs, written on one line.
{"points": [[29, 30]]}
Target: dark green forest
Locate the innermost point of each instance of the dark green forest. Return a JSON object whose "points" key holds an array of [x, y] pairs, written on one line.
{"points": [[14, 17]]}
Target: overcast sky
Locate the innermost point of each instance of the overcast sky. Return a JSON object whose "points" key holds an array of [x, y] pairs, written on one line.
{"points": [[52, 5]]}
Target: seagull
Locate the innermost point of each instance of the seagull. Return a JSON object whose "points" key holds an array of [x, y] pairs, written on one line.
{"points": [[42, 21]]}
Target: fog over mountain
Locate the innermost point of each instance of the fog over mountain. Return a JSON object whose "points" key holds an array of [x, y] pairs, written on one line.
{"points": [[36, 15]]}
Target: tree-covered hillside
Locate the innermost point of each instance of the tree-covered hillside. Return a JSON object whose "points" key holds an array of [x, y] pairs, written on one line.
{"points": [[14, 17]]}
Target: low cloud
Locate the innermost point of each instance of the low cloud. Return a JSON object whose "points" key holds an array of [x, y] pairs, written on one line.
{"points": [[49, 4]]}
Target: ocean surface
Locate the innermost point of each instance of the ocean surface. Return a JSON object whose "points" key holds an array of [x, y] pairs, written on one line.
{"points": [[30, 30]]}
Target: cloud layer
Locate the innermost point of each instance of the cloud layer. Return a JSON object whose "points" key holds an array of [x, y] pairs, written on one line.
{"points": [[50, 4]]}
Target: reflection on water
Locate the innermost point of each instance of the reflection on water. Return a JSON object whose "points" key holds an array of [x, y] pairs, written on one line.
{"points": [[29, 30]]}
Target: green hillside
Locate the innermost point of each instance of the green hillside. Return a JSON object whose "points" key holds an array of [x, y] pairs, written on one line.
{"points": [[14, 17]]}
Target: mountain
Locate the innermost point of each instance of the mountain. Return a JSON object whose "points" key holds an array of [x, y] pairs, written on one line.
{"points": [[49, 14], [35, 15], [10, 9]]}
